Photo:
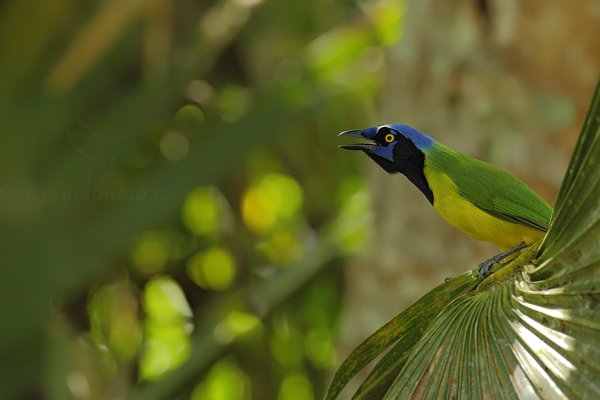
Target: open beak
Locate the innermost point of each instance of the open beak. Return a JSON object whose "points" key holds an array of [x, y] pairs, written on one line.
{"points": [[357, 133]]}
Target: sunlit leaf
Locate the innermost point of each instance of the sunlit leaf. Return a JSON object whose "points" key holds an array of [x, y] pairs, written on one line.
{"points": [[164, 299], [167, 328]]}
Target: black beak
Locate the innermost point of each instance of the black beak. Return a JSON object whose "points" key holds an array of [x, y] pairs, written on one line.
{"points": [[356, 133]]}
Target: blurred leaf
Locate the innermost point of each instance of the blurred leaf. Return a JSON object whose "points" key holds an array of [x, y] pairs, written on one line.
{"points": [[286, 341], [237, 324], [353, 226], [174, 145], [225, 381], [151, 252], [389, 17], [338, 50], [296, 386], [167, 346], [167, 328], [190, 117], [164, 299], [233, 102], [282, 248], [206, 212], [213, 268], [114, 320], [319, 348]]}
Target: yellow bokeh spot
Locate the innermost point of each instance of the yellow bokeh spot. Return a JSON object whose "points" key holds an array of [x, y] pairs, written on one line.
{"points": [[256, 213], [203, 211], [212, 269], [273, 198]]}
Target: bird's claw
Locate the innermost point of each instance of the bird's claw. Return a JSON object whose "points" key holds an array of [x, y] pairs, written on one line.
{"points": [[485, 267]]}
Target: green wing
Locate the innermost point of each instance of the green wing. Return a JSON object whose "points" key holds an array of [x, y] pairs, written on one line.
{"points": [[494, 190]]}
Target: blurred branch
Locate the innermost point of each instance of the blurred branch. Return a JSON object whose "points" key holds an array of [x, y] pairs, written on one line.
{"points": [[157, 41], [216, 28], [91, 44], [260, 299]]}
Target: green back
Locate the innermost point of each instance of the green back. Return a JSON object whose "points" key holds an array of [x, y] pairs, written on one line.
{"points": [[491, 189]]}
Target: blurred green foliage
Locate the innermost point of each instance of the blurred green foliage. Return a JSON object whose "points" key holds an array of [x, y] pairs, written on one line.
{"points": [[173, 204]]}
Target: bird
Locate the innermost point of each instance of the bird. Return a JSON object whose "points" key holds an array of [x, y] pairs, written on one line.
{"points": [[480, 199]]}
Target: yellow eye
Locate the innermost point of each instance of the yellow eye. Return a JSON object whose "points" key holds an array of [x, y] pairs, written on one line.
{"points": [[389, 138]]}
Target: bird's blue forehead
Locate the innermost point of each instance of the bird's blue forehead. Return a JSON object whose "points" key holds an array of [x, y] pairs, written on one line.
{"points": [[421, 140], [371, 132]]}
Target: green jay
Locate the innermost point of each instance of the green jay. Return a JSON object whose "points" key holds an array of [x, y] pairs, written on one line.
{"points": [[478, 198]]}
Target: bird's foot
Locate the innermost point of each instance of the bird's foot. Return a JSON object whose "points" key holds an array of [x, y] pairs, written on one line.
{"points": [[484, 267]]}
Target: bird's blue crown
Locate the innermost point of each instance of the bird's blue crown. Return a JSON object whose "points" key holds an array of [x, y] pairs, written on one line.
{"points": [[421, 140]]}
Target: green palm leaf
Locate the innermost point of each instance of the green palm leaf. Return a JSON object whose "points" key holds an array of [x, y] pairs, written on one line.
{"points": [[531, 330], [406, 329]]}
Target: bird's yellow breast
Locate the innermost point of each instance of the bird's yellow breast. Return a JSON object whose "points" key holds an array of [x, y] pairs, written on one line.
{"points": [[462, 214]]}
